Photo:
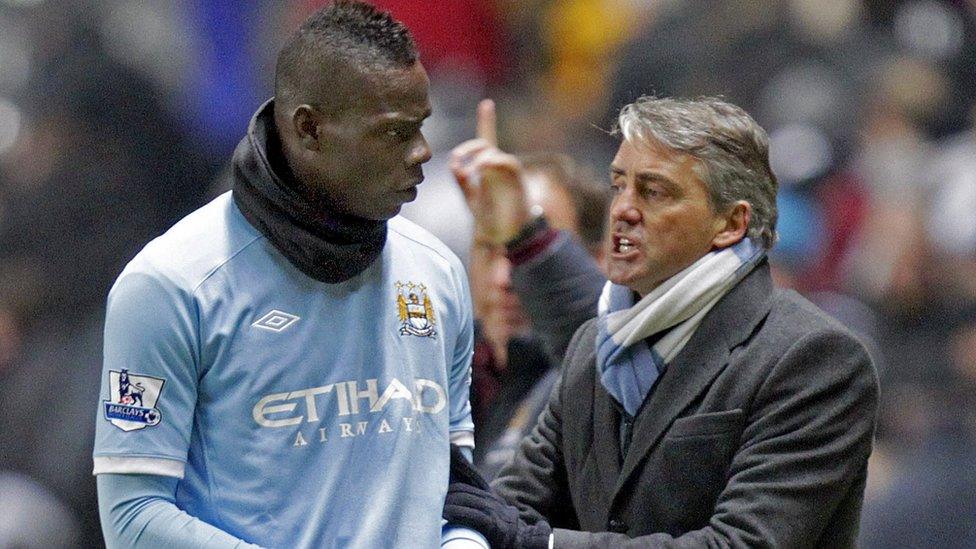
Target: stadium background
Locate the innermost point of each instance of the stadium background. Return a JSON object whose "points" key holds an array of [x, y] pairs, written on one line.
{"points": [[116, 116]]}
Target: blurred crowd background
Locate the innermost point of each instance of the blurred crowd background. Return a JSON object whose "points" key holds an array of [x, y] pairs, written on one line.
{"points": [[117, 115]]}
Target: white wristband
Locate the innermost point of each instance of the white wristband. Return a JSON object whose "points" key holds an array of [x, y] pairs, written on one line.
{"points": [[459, 537]]}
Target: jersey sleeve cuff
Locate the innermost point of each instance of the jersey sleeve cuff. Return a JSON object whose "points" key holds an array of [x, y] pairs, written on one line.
{"points": [[132, 465], [464, 439]]}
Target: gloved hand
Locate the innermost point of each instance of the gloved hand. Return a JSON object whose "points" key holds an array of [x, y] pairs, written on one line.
{"points": [[470, 502], [499, 522]]}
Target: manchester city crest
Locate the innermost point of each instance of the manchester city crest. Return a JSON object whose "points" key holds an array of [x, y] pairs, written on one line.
{"points": [[415, 310], [132, 402]]}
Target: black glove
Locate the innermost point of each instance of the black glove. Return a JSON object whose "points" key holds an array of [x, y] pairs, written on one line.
{"points": [[471, 503]]}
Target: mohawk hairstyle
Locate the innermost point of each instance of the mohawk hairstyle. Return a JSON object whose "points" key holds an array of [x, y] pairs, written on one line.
{"points": [[345, 31]]}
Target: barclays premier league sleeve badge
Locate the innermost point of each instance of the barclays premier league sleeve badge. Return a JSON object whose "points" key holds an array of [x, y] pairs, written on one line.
{"points": [[132, 401]]}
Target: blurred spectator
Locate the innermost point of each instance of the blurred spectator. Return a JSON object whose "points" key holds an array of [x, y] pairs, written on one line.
{"points": [[891, 262], [47, 423], [580, 36], [116, 172], [98, 168], [513, 349], [227, 56], [930, 498], [32, 517], [950, 217]]}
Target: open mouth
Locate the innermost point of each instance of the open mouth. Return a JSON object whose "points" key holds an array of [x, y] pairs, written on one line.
{"points": [[623, 245]]}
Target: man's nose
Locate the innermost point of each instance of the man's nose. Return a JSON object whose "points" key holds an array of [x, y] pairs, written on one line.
{"points": [[420, 152], [501, 272], [624, 208]]}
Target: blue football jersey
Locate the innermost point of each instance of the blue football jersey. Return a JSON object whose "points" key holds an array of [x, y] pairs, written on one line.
{"points": [[296, 413]]}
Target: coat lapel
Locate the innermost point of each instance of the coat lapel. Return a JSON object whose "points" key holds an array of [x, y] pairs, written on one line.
{"points": [[606, 437], [729, 323]]}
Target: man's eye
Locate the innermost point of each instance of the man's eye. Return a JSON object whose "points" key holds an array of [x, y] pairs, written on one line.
{"points": [[399, 134]]}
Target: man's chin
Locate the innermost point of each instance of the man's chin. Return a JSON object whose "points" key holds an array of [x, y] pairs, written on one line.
{"points": [[396, 208], [636, 282], [393, 213], [383, 215], [621, 278]]}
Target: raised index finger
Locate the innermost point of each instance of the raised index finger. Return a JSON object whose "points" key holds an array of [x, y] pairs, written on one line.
{"points": [[487, 122]]}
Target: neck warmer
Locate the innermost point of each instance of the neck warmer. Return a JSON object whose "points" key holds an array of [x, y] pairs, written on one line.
{"points": [[324, 244], [628, 366]]}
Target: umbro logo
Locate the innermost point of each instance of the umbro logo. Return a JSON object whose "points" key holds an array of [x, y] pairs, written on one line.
{"points": [[276, 321]]}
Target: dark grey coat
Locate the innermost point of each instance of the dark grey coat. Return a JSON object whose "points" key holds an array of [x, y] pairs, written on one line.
{"points": [[757, 434]]}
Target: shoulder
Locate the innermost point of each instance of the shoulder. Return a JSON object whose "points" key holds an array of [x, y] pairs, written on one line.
{"points": [[799, 337], [409, 235], [195, 247], [792, 318], [412, 243]]}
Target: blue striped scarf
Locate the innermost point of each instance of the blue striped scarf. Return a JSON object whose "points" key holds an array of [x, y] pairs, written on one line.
{"points": [[628, 366]]}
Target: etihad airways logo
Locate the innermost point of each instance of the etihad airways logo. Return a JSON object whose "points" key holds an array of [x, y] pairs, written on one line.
{"points": [[294, 407]]}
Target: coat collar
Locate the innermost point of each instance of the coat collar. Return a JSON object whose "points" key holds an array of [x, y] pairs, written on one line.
{"points": [[729, 323]]}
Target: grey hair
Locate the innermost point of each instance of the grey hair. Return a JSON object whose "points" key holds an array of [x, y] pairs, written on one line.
{"points": [[731, 148]]}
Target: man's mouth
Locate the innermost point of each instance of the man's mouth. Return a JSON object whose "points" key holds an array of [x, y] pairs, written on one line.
{"points": [[623, 245], [412, 187]]}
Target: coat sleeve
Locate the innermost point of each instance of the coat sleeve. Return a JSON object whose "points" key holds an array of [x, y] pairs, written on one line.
{"points": [[802, 453], [559, 290]]}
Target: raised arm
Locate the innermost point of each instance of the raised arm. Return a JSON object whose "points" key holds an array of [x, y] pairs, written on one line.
{"points": [[557, 281], [559, 287]]}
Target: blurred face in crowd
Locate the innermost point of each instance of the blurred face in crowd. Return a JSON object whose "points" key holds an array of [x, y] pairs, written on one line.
{"points": [[661, 217], [499, 309], [364, 158]]}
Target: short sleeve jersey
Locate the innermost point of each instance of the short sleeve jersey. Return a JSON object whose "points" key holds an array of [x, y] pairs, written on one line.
{"points": [[296, 413]]}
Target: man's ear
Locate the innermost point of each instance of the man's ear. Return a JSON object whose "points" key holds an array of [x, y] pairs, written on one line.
{"points": [[306, 121], [732, 225]]}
